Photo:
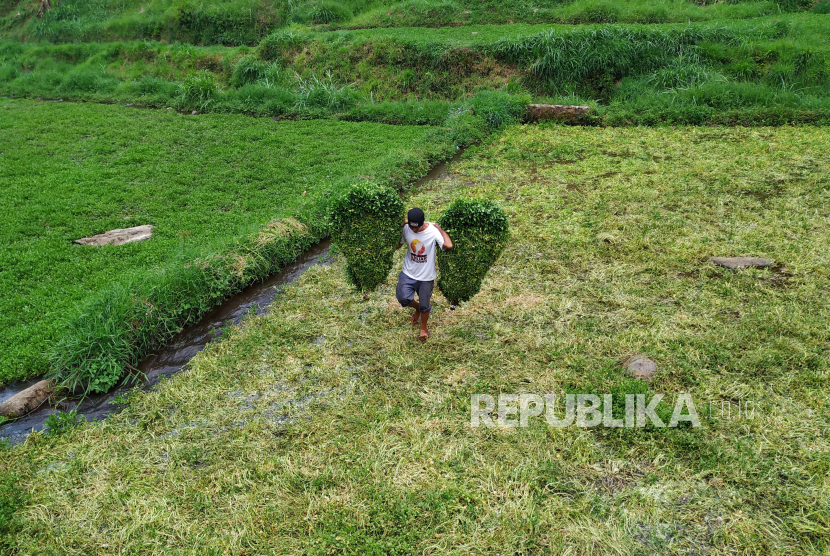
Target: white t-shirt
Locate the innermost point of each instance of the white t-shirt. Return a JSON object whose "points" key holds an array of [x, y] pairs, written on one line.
{"points": [[419, 263]]}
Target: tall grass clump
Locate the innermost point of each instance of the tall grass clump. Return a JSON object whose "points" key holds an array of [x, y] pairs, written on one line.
{"points": [[250, 69], [87, 80], [317, 93], [8, 72], [366, 224], [260, 98], [479, 232], [275, 45], [596, 57], [498, 108], [199, 91], [320, 12]]}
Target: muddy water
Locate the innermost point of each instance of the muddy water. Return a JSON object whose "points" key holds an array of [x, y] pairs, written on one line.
{"points": [[174, 355]]}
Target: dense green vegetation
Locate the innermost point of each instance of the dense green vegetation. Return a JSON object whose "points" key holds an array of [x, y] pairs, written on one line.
{"points": [[326, 427], [241, 195], [480, 231], [237, 22], [366, 225], [770, 70]]}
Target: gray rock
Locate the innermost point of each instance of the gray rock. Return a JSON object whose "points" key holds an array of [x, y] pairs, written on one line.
{"points": [[736, 263], [640, 367], [119, 236], [28, 400], [536, 112]]}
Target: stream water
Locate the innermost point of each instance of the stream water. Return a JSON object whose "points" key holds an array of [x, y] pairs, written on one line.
{"points": [[184, 345]]}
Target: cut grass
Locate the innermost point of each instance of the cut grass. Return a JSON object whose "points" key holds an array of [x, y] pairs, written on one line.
{"points": [[71, 171], [326, 427]]}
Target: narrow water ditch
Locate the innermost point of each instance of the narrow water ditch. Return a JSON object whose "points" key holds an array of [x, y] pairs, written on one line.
{"points": [[174, 355], [186, 344]]}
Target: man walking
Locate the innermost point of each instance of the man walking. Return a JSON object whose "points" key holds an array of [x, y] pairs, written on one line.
{"points": [[419, 266]]}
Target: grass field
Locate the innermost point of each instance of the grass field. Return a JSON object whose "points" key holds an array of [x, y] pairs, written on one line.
{"points": [[326, 427], [767, 70], [71, 171], [235, 22]]}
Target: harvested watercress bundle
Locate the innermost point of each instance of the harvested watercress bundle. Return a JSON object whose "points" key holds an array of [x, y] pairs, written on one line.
{"points": [[479, 233], [366, 227]]}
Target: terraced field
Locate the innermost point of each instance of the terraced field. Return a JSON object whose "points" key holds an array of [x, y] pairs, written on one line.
{"points": [[324, 426]]}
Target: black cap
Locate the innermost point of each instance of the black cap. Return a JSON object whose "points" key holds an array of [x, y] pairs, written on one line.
{"points": [[415, 216]]}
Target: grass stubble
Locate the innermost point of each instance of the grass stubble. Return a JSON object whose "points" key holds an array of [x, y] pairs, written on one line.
{"points": [[325, 427]]}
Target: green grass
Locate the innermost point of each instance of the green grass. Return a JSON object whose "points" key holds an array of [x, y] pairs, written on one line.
{"points": [[236, 22], [326, 427], [772, 70], [206, 183]]}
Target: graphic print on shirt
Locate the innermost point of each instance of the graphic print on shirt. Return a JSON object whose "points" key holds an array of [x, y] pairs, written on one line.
{"points": [[418, 251]]}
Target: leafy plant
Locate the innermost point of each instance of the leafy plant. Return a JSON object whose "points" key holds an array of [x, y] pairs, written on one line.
{"points": [[479, 232], [62, 422], [366, 227]]}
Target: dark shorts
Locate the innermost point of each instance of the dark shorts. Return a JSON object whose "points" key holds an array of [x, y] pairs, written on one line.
{"points": [[407, 287]]}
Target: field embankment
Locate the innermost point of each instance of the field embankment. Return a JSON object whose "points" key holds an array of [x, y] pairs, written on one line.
{"points": [[246, 22], [763, 71], [326, 427], [231, 198]]}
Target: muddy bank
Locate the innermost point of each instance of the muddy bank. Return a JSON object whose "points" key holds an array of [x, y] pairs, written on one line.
{"points": [[173, 356]]}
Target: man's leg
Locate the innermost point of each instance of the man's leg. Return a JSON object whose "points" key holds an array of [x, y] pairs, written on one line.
{"points": [[424, 305], [416, 316], [405, 292]]}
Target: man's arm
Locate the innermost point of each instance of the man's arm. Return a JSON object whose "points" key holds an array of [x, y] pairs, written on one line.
{"points": [[447, 240], [405, 224]]}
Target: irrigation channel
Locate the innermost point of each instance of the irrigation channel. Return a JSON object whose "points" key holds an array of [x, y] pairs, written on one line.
{"points": [[184, 345]]}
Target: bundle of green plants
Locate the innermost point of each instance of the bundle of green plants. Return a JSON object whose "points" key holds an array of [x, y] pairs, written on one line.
{"points": [[479, 232], [366, 227]]}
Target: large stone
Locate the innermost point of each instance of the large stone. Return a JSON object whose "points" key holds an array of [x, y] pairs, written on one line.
{"points": [[640, 367], [28, 400], [119, 236], [536, 112], [736, 263]]}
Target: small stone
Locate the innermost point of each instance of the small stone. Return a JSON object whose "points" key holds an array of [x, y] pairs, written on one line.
{"points": [[28, 400], [194, 113], [736, 263], [119, 236], [640, 367]]}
